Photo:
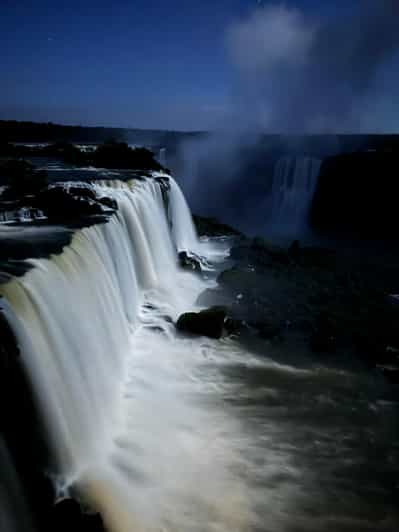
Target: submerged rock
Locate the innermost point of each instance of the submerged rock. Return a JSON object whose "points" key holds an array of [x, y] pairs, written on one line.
{"points": [[209, 322]]}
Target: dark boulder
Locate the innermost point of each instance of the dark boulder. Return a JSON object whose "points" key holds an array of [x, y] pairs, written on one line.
{"points": [[213, 227], [233, 326], [82, 190], [59, 202], [67, 515], [189, 262], [110, 203], [209, 322], [259, 252], [22, 178]]}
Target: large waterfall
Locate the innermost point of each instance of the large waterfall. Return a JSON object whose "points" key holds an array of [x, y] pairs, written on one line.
{"points": [[293, 188], [115, 387], [162, 432]]}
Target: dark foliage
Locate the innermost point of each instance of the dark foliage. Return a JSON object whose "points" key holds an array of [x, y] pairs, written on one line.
{"points": [[119, 155], [22, 178], [66, 152]]}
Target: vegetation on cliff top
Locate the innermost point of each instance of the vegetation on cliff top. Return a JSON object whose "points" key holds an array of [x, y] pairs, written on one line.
{"points": [[110, 154]]}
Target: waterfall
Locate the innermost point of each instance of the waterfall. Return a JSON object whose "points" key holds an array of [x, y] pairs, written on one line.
{"points": [[293, 188], [183, 229], [162, 156], [94, 326]]}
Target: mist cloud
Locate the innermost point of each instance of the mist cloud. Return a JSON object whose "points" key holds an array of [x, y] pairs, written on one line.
{"points": [[297, 74]]}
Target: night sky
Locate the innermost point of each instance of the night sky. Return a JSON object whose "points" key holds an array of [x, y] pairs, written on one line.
{"points": [[145, 63]]}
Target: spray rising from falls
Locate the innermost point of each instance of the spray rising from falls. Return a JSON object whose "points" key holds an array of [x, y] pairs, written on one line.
{"points": [[95, 330], [293, 188]]}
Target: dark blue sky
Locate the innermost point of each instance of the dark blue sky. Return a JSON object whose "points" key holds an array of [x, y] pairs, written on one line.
{"points": [[144, 63]]}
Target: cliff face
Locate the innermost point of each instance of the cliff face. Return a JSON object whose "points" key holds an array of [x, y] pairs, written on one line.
{"points": [[356, 195]]}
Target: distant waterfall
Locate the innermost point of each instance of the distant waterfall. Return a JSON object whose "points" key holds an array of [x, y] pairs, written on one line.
{"points": [[293, 188], [162, 156]]}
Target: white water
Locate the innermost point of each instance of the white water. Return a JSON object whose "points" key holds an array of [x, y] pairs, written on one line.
{"points": [[294, 185], [183, 230], [133, 426], [168, 433]]}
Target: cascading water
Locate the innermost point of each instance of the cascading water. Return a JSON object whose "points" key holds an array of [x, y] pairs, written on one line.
{"points": [[293, 188], [162, 432], [182, 226], [93, 325]]}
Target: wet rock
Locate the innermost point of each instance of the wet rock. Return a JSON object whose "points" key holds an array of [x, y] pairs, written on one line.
{"points": [[213, 227], [108, 202], [83, 191], [189, 262], [58, 202], [208, 322], [67, 515], [233, 326]]}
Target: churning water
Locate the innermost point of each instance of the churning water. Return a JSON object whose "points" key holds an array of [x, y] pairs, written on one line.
{"points": [[168, 433]]}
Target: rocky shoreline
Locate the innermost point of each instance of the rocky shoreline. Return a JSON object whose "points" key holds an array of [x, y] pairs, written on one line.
{"points": [[336, 304]]}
